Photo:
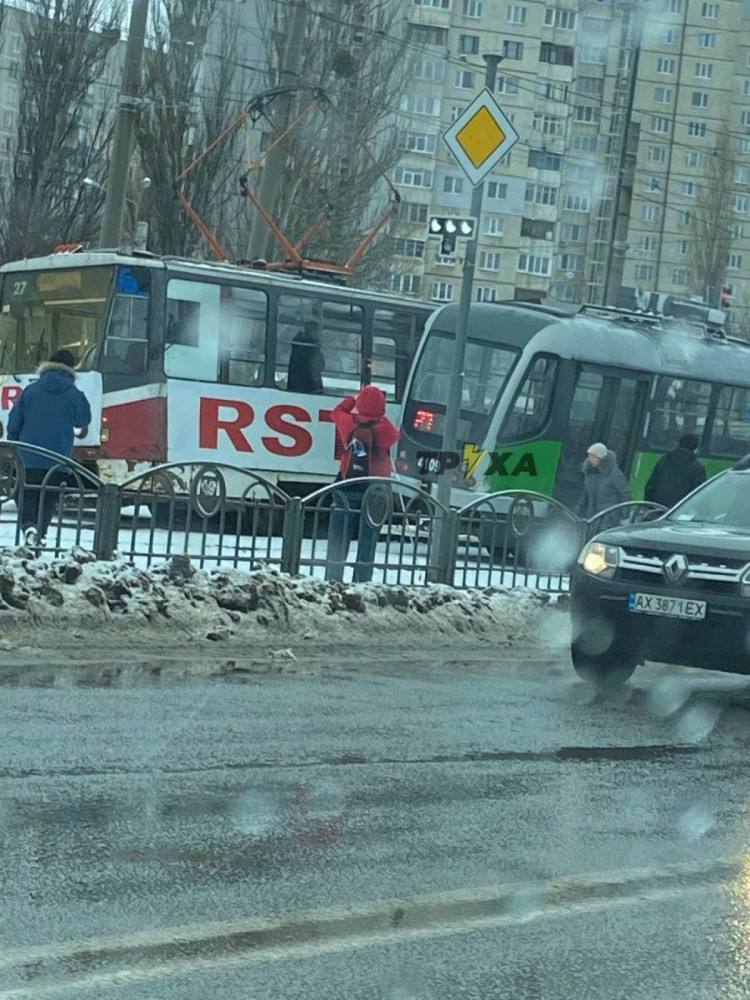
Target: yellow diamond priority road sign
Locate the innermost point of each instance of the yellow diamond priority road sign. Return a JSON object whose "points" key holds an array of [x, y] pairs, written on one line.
{"points": [[480, 137]]}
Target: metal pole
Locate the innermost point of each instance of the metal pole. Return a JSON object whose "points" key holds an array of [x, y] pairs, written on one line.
{"points": [[127, 110], [273, 167], [455, 394]]}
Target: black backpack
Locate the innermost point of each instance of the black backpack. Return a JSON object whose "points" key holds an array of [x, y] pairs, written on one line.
{"points": [[361, 445]]}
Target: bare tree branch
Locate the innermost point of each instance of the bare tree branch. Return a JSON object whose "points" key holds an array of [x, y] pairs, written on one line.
{"points": [[712, 219]]}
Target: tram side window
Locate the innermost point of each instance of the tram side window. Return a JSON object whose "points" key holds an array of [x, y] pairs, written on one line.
{"points": [[191, 348], [242, 345], [680, 407], [315, 327], [531, 407], [730, 434], [126, 341], [395, 336]]}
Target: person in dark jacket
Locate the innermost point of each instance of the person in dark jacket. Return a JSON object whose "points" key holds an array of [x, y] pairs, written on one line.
{"points": [[676, 474], [306, 362], [47, 414], [361, 427], [604, 484]]}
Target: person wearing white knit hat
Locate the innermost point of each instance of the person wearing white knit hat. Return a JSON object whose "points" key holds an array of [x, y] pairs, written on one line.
{"points": [[604, 484]]}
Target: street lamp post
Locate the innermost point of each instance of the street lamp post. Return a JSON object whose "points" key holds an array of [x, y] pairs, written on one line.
{"points": [[135, 207]]}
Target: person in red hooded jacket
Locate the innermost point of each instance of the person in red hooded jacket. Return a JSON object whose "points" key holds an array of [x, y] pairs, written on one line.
{"points": [[367, 436]]}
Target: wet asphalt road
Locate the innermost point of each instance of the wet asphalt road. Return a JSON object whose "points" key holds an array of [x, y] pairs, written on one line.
{"points": [[164, 808]]}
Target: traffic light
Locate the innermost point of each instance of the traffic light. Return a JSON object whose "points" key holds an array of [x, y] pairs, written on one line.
{"points": [[449, 229]]}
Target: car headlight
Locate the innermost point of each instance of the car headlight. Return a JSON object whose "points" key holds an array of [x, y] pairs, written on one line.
{"points": [[600, 560]]}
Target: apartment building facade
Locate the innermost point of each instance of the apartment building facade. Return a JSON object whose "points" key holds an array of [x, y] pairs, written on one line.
{"points": [[565, 81]]}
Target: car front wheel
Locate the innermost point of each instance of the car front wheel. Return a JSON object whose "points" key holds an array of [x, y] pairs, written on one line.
{"points": [[609, 669]]}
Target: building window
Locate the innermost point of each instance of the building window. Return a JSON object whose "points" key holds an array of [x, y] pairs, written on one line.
{"points": [[512, 50], [669, 36], [699, 99], [417, 142], [15, 44], [8, 119], [571, 232], [745, 117], [592, 54], [411, 284], [657, 154], [659, 124], [493, 225], [468, 45], [644, 272], [555, 17], [679, 277], [674, 7], [453, 185], [427, 34], [516, 14], [472, 8], [553, 90], [589, 85], [542, 159], [507, 85], [419, 104], [735, 261], [705, 70], [541, 194], [441, 291], [649, 213], [740, 203], [697, 129], [485, 294], [442, 4], [429, 69], [663, 95], [710, 10], [413, 177], [465, 79], [586, 142], [409, 248], [648, 243], [496, 190], [707, 40], [652, 184], [693, 158], [682, 247], [489, 260], [548, 124], [412, 211], [537, 229], [14, 70], [529, 263], [6, 144], [572, 261], [684, 218], [738, 230], [743, 145], [587, 113], [557, 55], [665, 65], [577, 203], [742, 175], [689, 189]]}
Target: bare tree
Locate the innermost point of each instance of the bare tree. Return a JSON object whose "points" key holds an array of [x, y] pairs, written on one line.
{"points": [[357, 54], [190, 97], [712, 219], [63, 132]]}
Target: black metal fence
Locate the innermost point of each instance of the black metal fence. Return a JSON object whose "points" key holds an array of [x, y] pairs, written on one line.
{"points": [[225, 517]]}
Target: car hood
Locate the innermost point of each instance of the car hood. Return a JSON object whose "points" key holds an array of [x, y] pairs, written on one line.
{"points": [[688, 537]]}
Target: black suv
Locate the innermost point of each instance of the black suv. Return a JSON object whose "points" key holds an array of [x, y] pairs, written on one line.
{"points": [[676, 589]]}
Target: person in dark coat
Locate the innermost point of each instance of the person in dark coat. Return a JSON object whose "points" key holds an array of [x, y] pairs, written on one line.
{"points": [[676, 474], [47, 414], [306, 362], [604, 484], [358, 420]]}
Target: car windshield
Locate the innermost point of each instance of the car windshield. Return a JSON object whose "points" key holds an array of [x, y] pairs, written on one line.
{"points": [[724, 500]]}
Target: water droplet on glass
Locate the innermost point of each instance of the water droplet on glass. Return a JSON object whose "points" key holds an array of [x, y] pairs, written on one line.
{"points": [[668, 696], [696, 822], [697, 723], [255, 813]]}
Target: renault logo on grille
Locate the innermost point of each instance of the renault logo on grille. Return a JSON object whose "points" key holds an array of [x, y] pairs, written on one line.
{"points": [[676, 569]]}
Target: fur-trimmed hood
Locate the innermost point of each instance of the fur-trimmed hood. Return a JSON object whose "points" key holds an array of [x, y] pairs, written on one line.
{"points": [[54, 366]]}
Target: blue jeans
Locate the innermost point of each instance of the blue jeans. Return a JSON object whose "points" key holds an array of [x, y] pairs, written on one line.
{"points": [[347, 523]]}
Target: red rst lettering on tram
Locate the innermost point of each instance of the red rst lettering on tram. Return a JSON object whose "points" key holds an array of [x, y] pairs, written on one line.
{"points": [[8, 395], [301, 437], [211, 422]]}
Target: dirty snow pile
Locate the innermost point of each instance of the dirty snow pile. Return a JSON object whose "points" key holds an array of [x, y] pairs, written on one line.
{"points": [[174, 602]]}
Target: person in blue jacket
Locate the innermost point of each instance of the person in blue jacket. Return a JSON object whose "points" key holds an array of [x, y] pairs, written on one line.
{"points": [[48, 413]]}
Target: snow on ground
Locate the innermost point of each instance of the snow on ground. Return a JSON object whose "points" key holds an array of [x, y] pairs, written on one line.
{"points": [[398, 561], [126, 607]]}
